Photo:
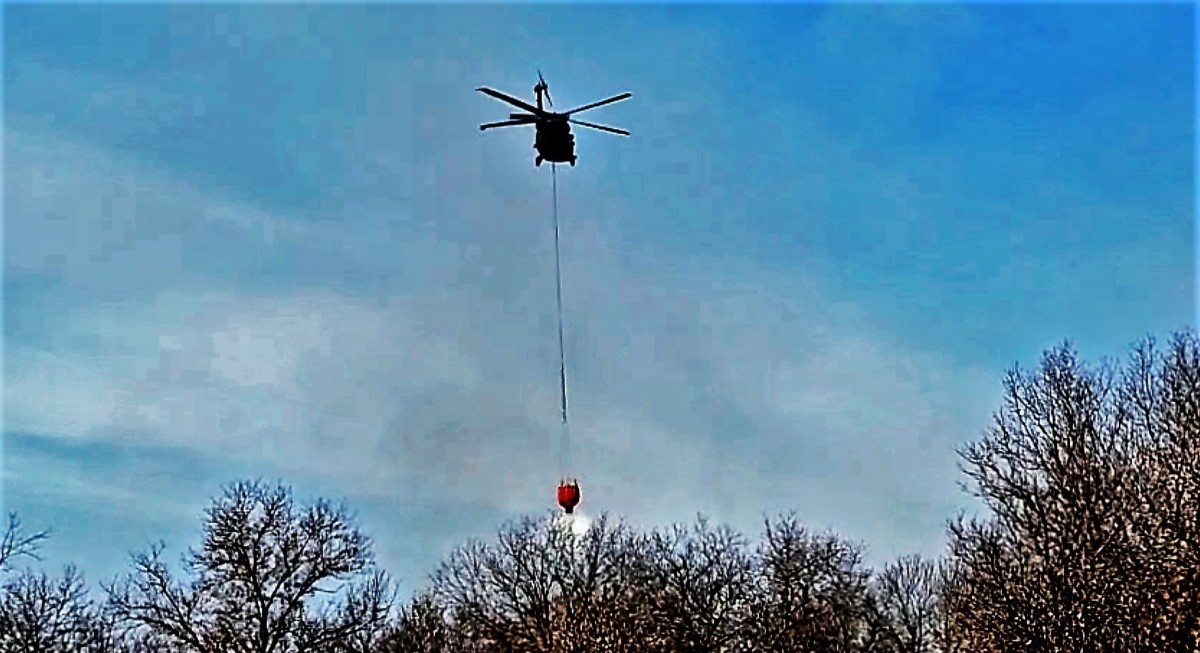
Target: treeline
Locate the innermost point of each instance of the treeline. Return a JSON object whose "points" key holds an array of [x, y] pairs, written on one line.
{"points": [[1092, 543]]}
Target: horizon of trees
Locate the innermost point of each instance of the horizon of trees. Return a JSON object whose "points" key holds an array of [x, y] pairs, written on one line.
{"points": [[1091, 542]]}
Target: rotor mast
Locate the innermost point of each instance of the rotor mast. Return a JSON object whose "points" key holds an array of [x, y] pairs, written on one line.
{"points": [[542, 88]]}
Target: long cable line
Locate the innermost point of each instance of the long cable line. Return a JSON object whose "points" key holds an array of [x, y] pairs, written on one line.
{"points": [[565, 443]]}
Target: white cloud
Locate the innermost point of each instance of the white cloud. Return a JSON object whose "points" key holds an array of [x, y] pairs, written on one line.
{"points": [[47, 392], [94, 219], [52, 480]]}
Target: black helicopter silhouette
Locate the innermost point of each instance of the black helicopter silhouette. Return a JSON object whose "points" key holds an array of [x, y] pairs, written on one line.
{"points": [[554, 141]]}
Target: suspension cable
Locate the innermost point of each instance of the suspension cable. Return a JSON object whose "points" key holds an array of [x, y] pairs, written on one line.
{"points": [[565, 442]]}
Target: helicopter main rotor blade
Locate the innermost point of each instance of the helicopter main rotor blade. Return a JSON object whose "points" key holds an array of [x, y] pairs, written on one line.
{"points": [[511, 100], [528, 116], [615, 98], [614, 130], [506, 123]]}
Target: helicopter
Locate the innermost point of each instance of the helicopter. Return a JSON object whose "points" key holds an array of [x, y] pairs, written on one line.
{"points": [[554, 141]]}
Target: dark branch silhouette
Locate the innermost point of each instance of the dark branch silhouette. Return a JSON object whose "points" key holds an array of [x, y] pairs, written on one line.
{"points": [[15, 542], [812, 593], [53, 615], [253, 581], [907, 592]]}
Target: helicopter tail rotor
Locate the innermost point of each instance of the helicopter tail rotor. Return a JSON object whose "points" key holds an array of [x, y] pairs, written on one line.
{"points": [[543, 88]]}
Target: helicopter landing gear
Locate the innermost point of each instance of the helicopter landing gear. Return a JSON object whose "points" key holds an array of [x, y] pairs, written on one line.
{"points": [[572, 162], [538, 161]]}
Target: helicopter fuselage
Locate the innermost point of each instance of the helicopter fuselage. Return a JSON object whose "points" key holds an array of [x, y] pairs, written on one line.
{"points": [[554, 142]]}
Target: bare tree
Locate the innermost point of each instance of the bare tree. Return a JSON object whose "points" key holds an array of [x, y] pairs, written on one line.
{"points": [[600, 606], [362, 621], [52, 615], [1091, 480], [694, 583], [907, 593], [15, 542], [502, 595], [690, 588], [423, 627], [254, 582], [542, 588], [811, 594], [1161, 394], [947, 636]]}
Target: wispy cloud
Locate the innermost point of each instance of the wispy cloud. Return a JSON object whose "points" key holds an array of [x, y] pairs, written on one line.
{"points": [[709, 394]]}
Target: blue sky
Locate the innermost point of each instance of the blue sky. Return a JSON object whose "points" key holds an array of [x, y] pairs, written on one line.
{"points": [[270, 241]]}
